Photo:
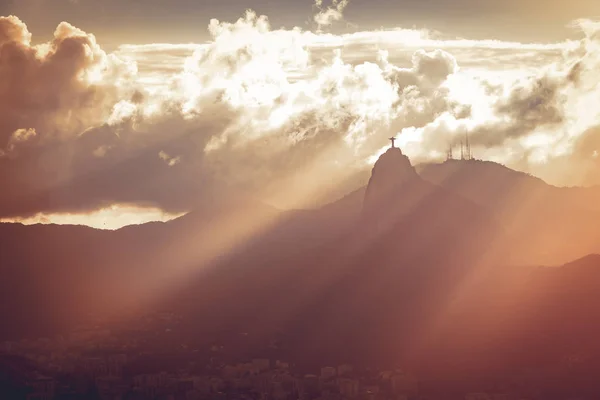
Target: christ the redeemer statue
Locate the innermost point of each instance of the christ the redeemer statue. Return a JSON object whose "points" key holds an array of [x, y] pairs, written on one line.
{"points": [[393, 139]]}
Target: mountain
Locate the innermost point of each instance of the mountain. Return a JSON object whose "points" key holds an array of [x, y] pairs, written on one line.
{"points": [[62, 274], [420, 280], [391, 173], [512, 320], [404, 271], [549, 224], [381, 281]]}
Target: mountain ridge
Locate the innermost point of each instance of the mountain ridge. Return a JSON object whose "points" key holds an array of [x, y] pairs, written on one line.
{"points": [[432, 242]]}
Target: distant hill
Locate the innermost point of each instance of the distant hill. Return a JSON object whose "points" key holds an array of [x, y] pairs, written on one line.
{"points": [[518, 319], [414, 268], [381, 281], [420, 280], [56, 275], [549, 224]]}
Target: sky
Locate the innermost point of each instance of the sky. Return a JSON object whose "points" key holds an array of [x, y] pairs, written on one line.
{"points": [[107, 107], [147, 21]]}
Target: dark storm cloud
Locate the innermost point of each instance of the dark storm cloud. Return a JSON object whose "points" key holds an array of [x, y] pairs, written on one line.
{"points": [[531, 104], [99, 168], [50, 96], [534, 104], [50, 88]]}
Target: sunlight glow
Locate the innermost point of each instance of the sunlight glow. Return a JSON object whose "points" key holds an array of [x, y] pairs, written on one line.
{"points": [[109, 218]]}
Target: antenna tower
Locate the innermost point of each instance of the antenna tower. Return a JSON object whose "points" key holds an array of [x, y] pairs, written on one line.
{"points": [[450, 153], [465, 149], [469, 155]]}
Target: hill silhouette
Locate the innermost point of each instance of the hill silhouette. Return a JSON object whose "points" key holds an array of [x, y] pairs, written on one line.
{"points": [[544, 219], [421, 279], [393, 260], [402, 271]]}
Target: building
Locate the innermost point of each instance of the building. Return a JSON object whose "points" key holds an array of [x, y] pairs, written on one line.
{"points": [[159, 380], [43, 388], [328, 373], [261, 364], [282, 365], [115, 364], [349, 388], [404, 383], [95, 367], [111, 387], [344, 369]]}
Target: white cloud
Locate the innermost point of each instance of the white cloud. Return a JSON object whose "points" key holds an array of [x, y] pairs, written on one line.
{"points": [[327, 16], [22, 135], [101, 151], [291, 110], [169, 160]]}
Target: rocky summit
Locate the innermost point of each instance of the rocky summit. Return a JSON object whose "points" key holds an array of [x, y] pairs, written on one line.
{"points": [[391, 173]]}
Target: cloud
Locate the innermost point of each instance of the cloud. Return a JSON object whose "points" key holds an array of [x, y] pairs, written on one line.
{"points": [[529, 105], [232, 114], [57, 88], [13, 29], [534, 122], [434, 66], [280, 113], [20, 136], [110, 218], [101, 151], [327, 16], [170, 161]]}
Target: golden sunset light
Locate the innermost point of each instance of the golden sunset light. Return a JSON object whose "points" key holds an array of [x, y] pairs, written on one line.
{"points": [[299, 200]]}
